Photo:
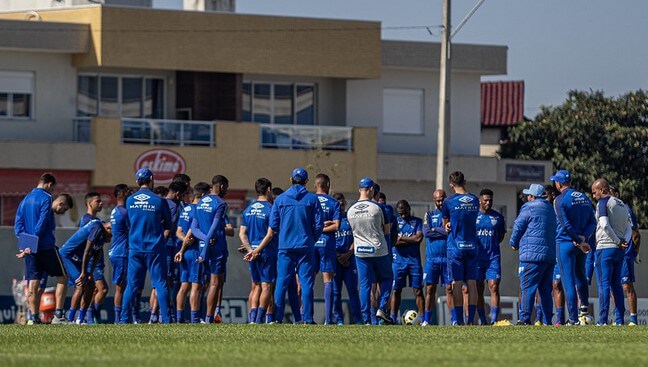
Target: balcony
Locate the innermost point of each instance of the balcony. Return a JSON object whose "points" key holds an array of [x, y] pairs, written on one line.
{"points": [[296, 137]]}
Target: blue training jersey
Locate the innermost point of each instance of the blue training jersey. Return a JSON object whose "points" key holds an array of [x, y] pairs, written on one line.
{"points": [[256, 218], [209, 223], [343, 236], [184, 222], [461, 210], [119, 222], [34, 216], [148, 218], [74, 247], [330, 212], [489, 228], [435, 236], [408, 228], [575, 216], [175, 210], [630, 250]]}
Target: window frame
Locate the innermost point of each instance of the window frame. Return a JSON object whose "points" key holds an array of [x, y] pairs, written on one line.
{"points": [[10, 98], [293, 86], [421, 131]]}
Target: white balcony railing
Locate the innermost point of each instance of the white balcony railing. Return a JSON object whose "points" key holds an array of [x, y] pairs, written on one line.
{"points": [[295, 137]]}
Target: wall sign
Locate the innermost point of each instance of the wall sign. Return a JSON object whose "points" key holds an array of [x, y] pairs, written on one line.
{"points": [[163, 162]]}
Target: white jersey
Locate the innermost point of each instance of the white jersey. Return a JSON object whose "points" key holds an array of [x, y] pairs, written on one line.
{"points": [[613, 223], [367, 220]]}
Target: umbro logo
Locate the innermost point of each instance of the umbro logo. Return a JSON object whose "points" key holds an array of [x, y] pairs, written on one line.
{"points": [[576, 194], [187, 208], [466, 199], [362, 206], [322, 199], [141, 197], [257, 205], [207, 199]]}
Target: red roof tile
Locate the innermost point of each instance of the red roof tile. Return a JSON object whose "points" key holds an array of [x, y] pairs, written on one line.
{"points": [[502, 103]]}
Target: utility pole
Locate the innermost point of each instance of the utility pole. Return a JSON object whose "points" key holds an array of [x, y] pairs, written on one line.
{"points": [[443, 138]]}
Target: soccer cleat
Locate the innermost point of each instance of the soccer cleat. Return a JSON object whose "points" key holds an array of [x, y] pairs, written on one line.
{"points": [[33, 322], [425, 323], [538, 323], [632, 324], [571, 323], [503, 323], [59, 321], [384, 316], [558, 323]]}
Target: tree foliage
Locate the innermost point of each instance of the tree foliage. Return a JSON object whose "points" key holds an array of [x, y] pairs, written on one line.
{"points": [[592, 136]]}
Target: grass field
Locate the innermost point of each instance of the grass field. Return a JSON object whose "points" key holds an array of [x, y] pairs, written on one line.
{"points": [[301, 345]]}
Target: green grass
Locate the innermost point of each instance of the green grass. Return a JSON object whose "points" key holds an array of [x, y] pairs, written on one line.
{"points": [[300, 345]]}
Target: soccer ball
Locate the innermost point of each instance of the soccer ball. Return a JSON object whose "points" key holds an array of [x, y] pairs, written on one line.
{"points": [[410, 317], [586, 320]]}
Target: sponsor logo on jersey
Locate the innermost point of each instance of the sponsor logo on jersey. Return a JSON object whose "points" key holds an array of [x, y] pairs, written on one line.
{"points": [[493, 220], [466, 199], [322, 199], [257, 205], [141, 199], [361, 206], [576, 194]]}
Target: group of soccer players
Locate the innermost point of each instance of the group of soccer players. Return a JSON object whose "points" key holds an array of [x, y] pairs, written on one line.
{"points": [[289, 237]]}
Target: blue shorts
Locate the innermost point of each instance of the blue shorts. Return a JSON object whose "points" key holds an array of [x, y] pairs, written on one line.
{"points": [[325, 260], [556, 273], [73, 269], [173, 271], [462, 265], [436, 272], [98, 273], [218, 262], [119, 270], [191, 271], [403, 271], [490, 269], [42, 263], [264, 268], [377, 269], [627, 269]]}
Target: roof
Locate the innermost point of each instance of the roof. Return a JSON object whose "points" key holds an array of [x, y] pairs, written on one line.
{"points": [[502, 103]]}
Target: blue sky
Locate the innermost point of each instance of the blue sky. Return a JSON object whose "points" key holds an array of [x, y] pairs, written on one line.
{"points": [[554, 45]]}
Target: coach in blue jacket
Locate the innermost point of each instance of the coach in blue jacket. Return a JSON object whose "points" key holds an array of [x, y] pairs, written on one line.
{"points": [[534, 233], [297, 217]]}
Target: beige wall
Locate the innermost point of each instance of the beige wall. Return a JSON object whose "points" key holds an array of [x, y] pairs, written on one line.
{"points": [[238, 156]]}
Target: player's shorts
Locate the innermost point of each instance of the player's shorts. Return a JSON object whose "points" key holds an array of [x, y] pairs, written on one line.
{"points": [[462, 265], [325, 260], [43, 281], [556, 273], [264, 268], [173, 271], [436, 272], [119, 270], [73, 269], [191, 271], [218, 262], [98, 273], [403, 272], [490, 269], [627, 269], [377, 269], [42, 263]]}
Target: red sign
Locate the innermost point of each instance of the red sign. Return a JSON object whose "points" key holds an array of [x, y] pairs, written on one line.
{"points": [[163, 163]]}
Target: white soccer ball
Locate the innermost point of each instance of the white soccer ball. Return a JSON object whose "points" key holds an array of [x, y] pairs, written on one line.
{"points": [[586, 320], [410, 317]]}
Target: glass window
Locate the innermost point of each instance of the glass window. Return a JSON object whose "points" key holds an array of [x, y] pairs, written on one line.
{"points": [[154, 98], [247, 102], [109, 97], [131, 105], [305, 105], [87, 96], [283, 104], [21, 105], [403, 111], [4, 104], [262, 104]]}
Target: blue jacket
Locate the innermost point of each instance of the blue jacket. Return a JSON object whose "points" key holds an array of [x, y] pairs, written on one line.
{"points": [[209, 224], [297, 217], [35, 217], [534, 232], [575, 216], [148, 217], [435, 236]]}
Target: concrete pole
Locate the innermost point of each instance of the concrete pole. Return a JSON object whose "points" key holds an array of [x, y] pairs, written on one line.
{"points": [[443, 138]]}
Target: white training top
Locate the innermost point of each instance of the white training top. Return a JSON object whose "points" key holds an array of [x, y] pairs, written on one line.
{"points": [[367, 220], [613, 223]]}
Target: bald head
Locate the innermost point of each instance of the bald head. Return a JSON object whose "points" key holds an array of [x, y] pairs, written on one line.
{"points": [[438, 196], [600, 188]]}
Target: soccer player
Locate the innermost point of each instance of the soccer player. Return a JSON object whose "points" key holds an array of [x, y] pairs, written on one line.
{"points": [[558, 293], [325, 253], [533, 235], [576, 223], [118, 252], [491, 229], [35, 217], [298, 219], [148, 217], [436, 259], [161, 191], [257, 237], [407, 259], [459, 219], [369, 225], [191, 271], [347, 271], [80, 255], [208, 225], [390, 238], [613, 235], [629, 259]]}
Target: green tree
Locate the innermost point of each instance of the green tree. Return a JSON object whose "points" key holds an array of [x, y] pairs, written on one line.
{"points": [[592, 136]]}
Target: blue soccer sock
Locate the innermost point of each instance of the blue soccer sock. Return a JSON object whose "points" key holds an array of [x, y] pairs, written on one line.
{"points": [[458, 314], [269, 318], [195, 319], [328, 303], [482, 316], [560, 315], [538, 313], [82, 315], [427, 316], [71, 314], [96, 311], [394, 319], [91, 313], [209, 319], [453, 316], [494, 314], [180, 316], [217, 311], [136, 308], [118, 311], [472, 309], [260, 315], [633, 318], [252, 315], [374, 320]]}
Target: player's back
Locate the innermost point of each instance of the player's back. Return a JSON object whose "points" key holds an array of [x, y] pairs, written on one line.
{"points": [[119, 223], [74, 247], [148, 216], [462, 210], [575, 208], [256, 218], [297, 216], [367, 220], [618, 218], [205, 214]]}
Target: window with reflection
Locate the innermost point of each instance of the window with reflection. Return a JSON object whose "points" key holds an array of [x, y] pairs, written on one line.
{"points": [[87, 93], [131, 100], [262, 106], [279, 103]]}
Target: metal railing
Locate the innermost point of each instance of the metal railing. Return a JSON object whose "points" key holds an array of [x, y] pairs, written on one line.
{"points": [[295, 137], [167, 132]]}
